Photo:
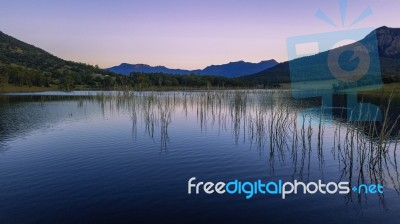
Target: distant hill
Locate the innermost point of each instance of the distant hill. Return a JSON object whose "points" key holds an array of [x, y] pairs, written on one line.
{"points": [[232, 69], [388, 40], [127, 69], [236, 69]]}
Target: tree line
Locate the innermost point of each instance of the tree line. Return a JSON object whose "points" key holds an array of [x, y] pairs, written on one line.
{"points": [[66, 79]]}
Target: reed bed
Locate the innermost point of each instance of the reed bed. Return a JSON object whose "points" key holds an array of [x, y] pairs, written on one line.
{"points": [[272, 124]]}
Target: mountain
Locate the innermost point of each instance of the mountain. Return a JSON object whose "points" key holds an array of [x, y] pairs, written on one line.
{"points": [[389, 52], [387, 40], [16, 52], [126, 69], [25, 64], [232, 69], [236, 69]]}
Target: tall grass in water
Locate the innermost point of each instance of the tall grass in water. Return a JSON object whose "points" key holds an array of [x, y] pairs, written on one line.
{"points": [[274, 125]]}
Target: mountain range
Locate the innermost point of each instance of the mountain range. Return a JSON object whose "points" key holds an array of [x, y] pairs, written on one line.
{"points": [[25, 64], [232, 69]]}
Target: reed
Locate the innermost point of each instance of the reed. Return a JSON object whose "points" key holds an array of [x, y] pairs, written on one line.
{"points": [[269, 121]]}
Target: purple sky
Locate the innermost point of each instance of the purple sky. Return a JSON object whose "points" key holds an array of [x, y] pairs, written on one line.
{"points": [[186, 34]]}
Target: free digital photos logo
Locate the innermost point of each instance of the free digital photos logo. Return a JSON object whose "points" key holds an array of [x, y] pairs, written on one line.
{"points": [[250, 189]]}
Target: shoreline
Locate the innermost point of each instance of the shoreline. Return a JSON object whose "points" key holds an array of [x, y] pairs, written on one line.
{"points": [[27, 89], [389, 88]]}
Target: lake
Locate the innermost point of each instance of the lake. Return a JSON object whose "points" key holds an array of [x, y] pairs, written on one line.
{"points": [[127, 157]]}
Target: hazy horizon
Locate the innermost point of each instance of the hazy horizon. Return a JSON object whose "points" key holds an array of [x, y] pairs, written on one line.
{"points": [[179, 34]]}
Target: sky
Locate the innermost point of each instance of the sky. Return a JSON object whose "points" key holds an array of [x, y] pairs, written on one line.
{"points": [[187, 34]]}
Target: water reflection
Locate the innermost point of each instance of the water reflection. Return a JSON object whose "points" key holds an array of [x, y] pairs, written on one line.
{"points": [[268, 121]]}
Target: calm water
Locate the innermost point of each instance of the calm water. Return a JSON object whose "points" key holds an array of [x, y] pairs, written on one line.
{"points": [[113, 157]]}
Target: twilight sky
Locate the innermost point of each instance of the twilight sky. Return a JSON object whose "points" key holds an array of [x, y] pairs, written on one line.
{"points": [[187, 34]]}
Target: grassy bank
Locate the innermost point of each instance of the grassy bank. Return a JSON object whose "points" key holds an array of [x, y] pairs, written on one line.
{"points": [[386, 89], [14, 88]]}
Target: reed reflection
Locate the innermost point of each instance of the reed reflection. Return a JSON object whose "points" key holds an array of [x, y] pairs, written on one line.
{"points": [[267, 121]]}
